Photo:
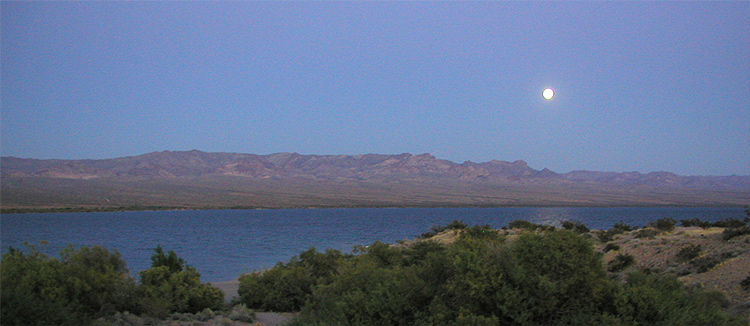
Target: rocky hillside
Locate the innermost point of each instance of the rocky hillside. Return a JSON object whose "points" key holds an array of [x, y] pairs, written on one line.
{"points": [[195, 179]]}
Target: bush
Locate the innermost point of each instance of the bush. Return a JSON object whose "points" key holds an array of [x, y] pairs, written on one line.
{"points": [[287, 286], [455, 225], [83, 285], [666, 224], [696, 222], [621, 262], [526, 225], [646, 233], [689, 252], [241, 313], [611, 246], [547, 278], [735, 232], [620, 227], [745, 284], [575, 226], [654, 299], [171, 286]]}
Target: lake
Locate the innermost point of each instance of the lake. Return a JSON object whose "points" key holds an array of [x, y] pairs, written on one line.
{"points": [[223, 244]]}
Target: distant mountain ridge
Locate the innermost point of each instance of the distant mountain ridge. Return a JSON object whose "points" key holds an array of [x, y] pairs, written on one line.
{"points": [[200, 179], [175, 164]]}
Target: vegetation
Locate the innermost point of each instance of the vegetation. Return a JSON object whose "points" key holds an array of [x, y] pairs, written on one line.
{"points": [[91, 282], [550, 277], [536, 275], [171, 286], [666, 224], [620, 263], [575, 226], [455, 225]]}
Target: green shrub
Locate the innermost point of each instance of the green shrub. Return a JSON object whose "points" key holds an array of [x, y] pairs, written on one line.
{"points": [[546, 278], [664, 224], [241, 313], [575, 226], [620, 227], [621, 262], [611, 246], [455, 225], [735, 232], [660, 299], [730, 223], [646, 233], [696, 222], [689, 252], [171, 286], [745, 284], [82, 285], [526, 225], [287, 286]]}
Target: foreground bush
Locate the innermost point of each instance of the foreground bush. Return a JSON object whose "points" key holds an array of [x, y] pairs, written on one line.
{"points": [[287, 286], [542, 278], [171, 286], [88, 283], [82, 285]]}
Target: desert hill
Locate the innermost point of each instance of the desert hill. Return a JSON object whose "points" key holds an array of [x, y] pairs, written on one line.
{"points": [[195, 179]]}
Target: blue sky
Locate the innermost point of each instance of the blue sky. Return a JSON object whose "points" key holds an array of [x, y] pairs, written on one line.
{"points": [[640, 86]]}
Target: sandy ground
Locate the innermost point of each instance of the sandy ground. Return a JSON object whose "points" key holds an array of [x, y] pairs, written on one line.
{"points": [[229, 288], [262, 318]]}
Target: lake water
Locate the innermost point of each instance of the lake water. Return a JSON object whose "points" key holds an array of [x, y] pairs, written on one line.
{"points": [[223, 244]]}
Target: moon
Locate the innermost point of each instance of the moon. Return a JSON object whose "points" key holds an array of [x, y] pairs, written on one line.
{"points": [[548, 93]]}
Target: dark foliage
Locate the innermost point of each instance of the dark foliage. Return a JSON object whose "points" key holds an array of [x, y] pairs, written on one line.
{"points": [[82, 285], [620, 263], [745, 284], [171, 286], [611, 246], [542, 278], [735, 232], [526, 225], [575, 226], [689, 252], [287, 286], [92, 282], [455, 225], [664, 224]]}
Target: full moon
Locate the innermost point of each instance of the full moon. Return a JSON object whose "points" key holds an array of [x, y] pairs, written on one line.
{"points": [[548, 93]]}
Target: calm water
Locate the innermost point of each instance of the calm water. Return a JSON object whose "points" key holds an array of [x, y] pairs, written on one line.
{"points": [[223, 244]]}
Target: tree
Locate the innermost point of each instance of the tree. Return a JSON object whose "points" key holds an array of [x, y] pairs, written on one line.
{"points": [[171, 286]]}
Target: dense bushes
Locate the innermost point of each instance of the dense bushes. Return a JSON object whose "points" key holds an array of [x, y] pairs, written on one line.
{"points": [[88, 283], [455, 225], [539, 278], [172, 286], [80, 286], [287, 286]]}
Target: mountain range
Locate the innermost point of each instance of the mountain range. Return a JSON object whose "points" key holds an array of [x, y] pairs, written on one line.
{"points": [[195, 179]]}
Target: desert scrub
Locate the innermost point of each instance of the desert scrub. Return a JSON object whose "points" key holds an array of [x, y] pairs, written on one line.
{"points": [[575, 226], [241, 313], [689, 252], [666, 224], [611, 246], [621, 262], [649, 233], [455, 225], [735, 232], [745, 284], [526, 225]]}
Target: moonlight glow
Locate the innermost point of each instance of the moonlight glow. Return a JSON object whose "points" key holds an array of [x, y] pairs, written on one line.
{"points": [[548, 93]]}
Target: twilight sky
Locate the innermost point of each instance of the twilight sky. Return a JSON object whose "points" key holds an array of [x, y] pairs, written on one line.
{"points": [[640, 86]]}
